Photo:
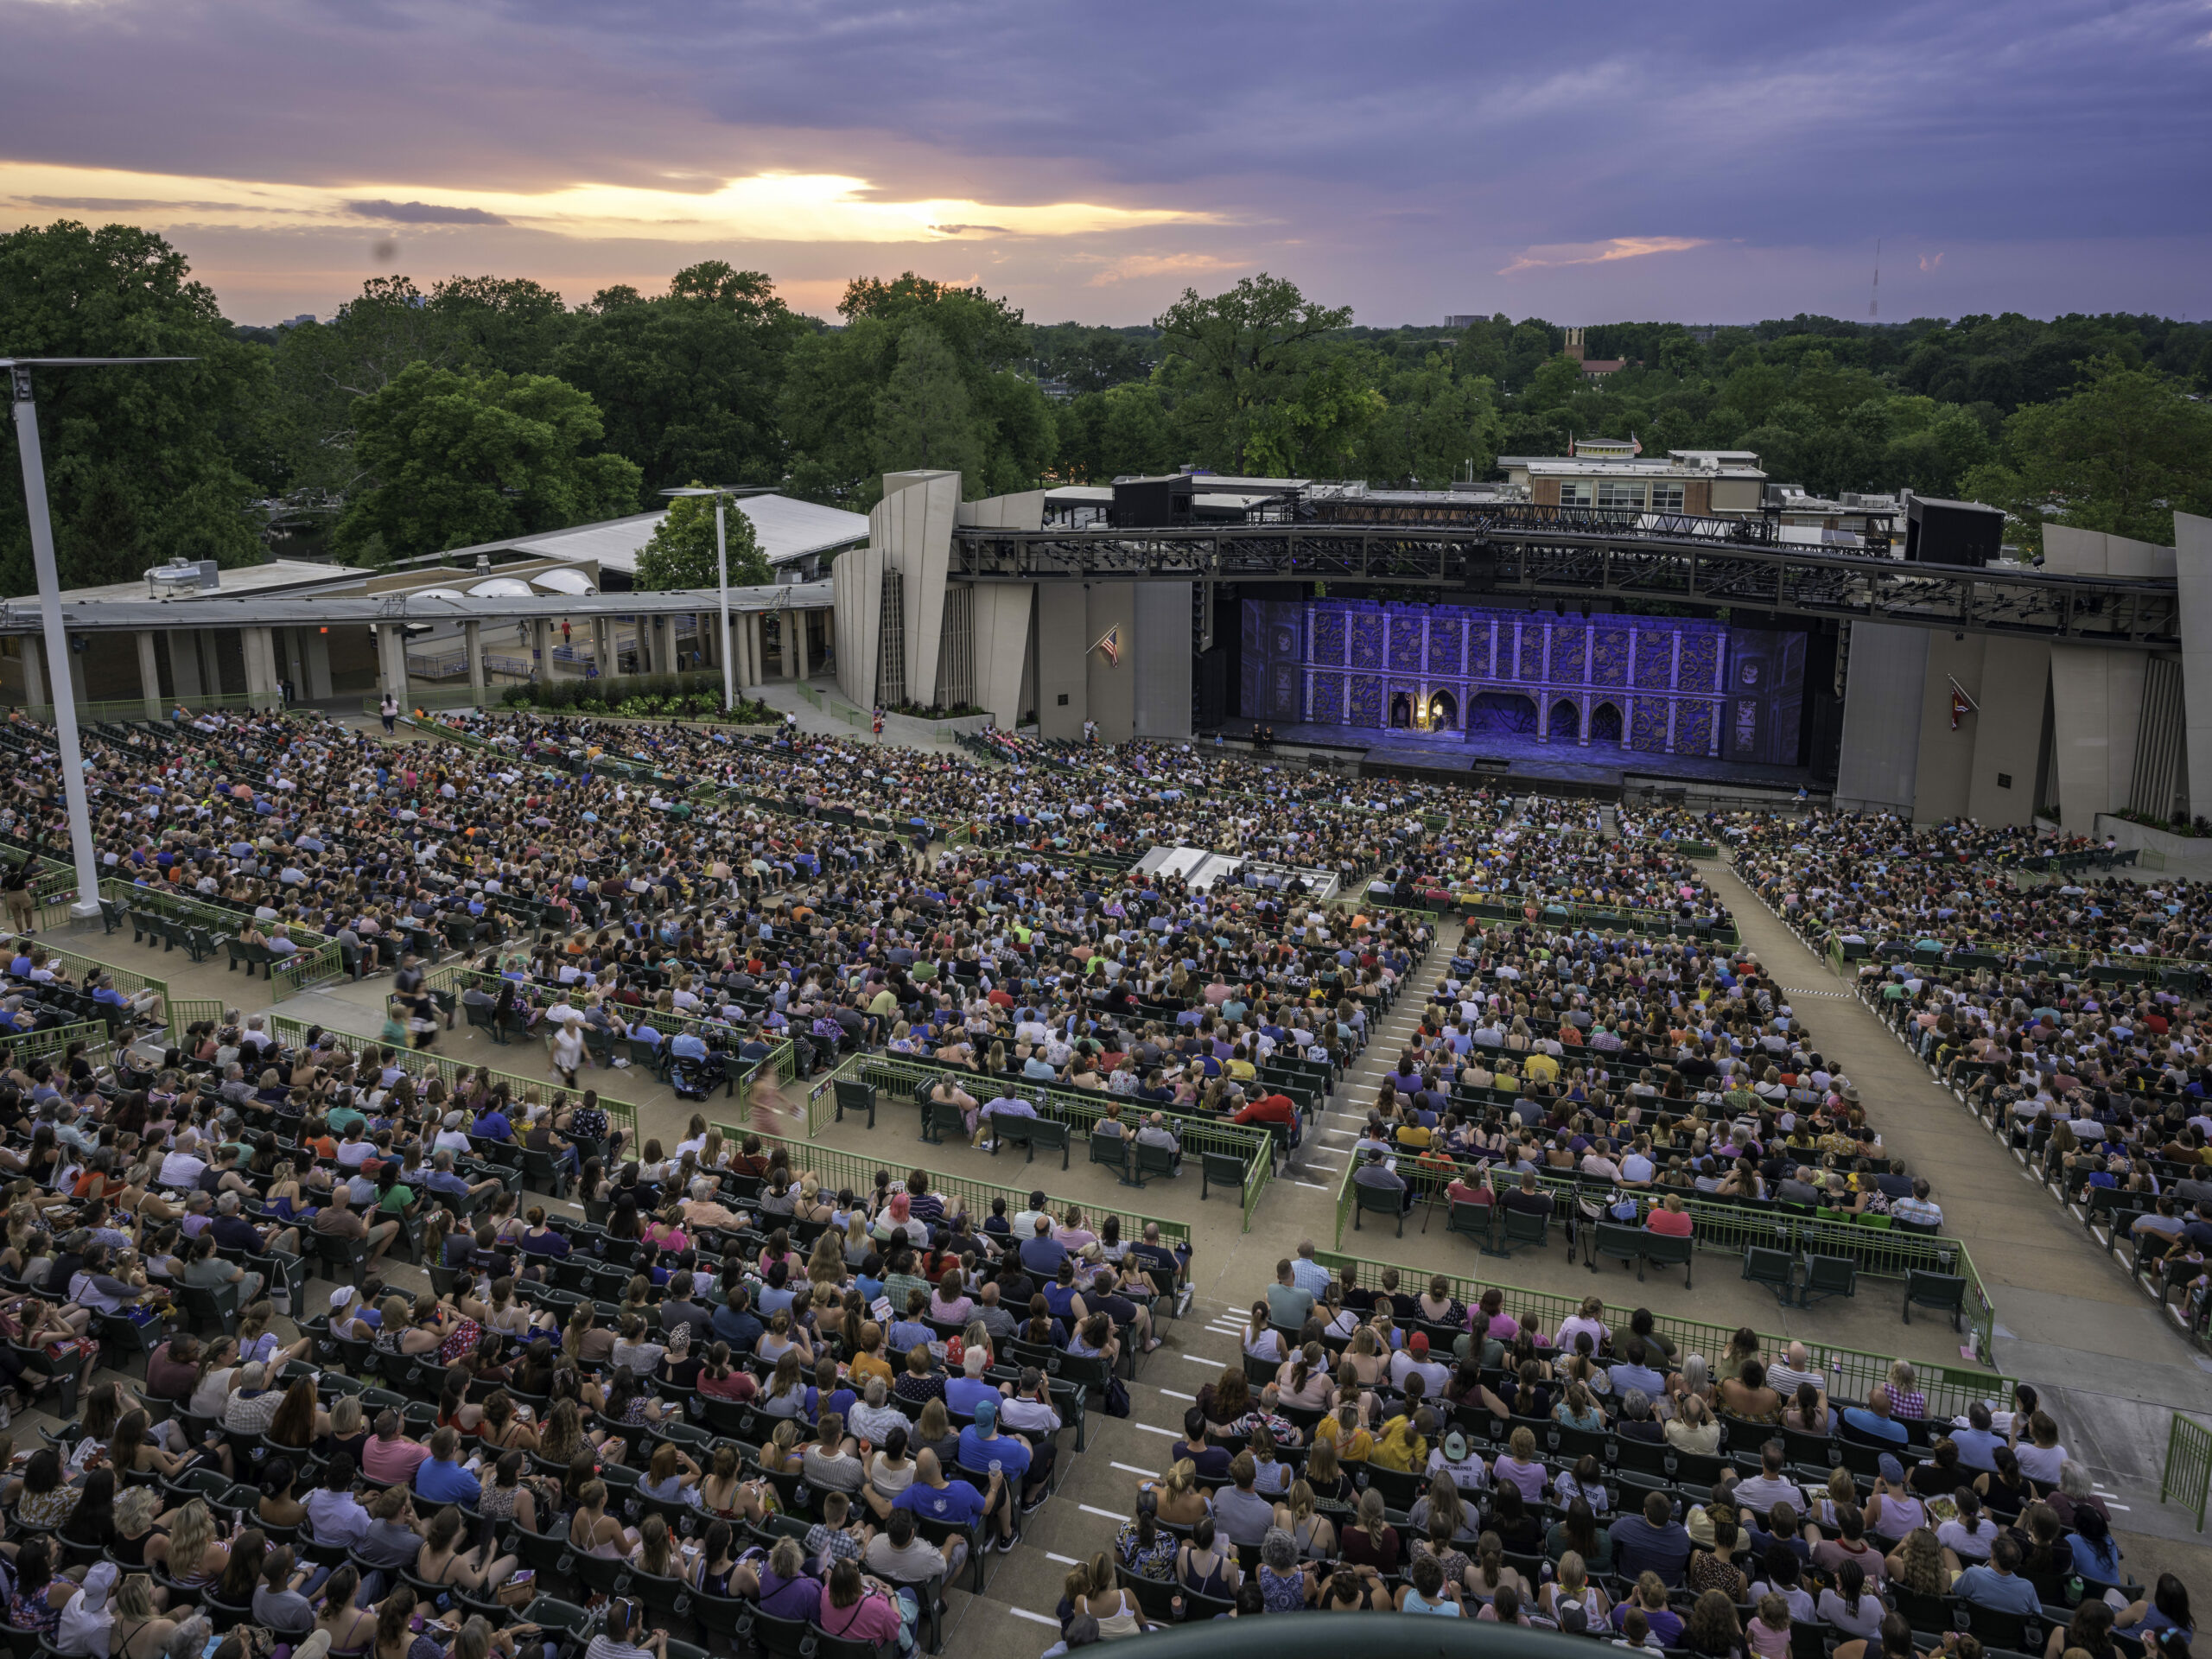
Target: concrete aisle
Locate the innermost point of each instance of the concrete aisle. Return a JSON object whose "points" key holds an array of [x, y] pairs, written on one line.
{"points": [[2069, 1319]]}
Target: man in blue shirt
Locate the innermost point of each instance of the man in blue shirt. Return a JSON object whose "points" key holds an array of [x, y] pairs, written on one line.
{"points": [[966, 1394], [1041, 1256], [1996, 1585], [1977, 1442], [933, 1497], [439, 1479], [1875, 1426], [1004, 1458], [734, 1324]]}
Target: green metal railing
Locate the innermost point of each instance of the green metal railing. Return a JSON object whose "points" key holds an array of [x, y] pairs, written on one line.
{"points": [[23, 1047], [838, 1170], [2187, 1477], [420, 1063], [906, 1078], [128, 981], [1481, 907], [781, 1062], [138, 708], [1851, 1372], [317, 959], [1880, 1252], [186, 1011]]}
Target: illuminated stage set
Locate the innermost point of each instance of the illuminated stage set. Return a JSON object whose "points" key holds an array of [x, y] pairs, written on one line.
{"points": [[1529, 694]]}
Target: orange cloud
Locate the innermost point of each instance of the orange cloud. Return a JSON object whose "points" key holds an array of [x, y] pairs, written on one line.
{"points": [[1600, 253]]}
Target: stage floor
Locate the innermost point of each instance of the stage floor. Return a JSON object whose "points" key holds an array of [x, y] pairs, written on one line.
{"points": [[1600, 765]]}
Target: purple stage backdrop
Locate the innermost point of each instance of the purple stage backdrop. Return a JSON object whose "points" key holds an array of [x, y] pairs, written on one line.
{"points": [[1656, 685]]}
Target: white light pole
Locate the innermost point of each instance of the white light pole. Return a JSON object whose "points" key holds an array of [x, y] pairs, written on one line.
{"points": [[49, 598], [721, 494]]}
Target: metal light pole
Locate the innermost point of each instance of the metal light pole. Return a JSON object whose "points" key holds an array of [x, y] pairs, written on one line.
{"points": [[50, 597], [721, 494]]}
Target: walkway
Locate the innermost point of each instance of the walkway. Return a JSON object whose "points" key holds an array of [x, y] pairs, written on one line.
{"points": [[2069, 1318]]}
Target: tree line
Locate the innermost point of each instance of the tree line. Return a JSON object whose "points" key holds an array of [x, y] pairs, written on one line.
{"points": [[419, 419]]}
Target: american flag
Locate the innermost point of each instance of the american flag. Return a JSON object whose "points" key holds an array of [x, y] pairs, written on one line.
{"points": [[1110, 643]]}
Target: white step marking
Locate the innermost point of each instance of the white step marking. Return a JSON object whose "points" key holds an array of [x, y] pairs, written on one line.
{"points": [[1173, 1395], [1130, 1468], [1173, 1434], [1034, 1618], [1090, 1509]]}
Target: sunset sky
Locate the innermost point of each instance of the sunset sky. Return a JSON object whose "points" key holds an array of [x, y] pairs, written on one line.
{"points": [[1714, 162]]}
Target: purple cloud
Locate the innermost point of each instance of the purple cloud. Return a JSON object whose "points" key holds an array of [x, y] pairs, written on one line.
{"points": [[2045, 154]]}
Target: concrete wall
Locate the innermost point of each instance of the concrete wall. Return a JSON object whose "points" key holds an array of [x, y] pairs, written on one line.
{"points": [[1944, 772], [2193, 569], [1062, 615], [1161, 658], [913, 526], [1000, 618], [2097, 710], [2008, 734], [856, 589], [1113, 685], [1878, 767], [1958, 771]]}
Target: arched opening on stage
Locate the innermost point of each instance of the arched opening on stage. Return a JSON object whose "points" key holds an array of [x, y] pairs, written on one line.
{"points": [[1443, 711], [1507, 714], [1605, 724], [1401, 709], [1566, 724]]}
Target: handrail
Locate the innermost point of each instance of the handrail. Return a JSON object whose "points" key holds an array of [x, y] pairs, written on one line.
{"points": [[415, 1061], [1853, 1372], [1253, 1148], [317, 959], [1881, 1253], [839, 1170]]}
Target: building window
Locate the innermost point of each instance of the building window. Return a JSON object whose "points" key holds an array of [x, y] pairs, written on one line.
{"points": [[1574, 494], [1666, 497], [1614, 493]]}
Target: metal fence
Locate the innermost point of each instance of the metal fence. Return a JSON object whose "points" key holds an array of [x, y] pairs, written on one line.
{"points": [[841, 1171], [27, 1045], [1851, 1372], [2187, 1477], [419, 1063], [1730, 1229], [128, 981], [1512, 907], [141, 708], [317, 959], [905, 1078]]}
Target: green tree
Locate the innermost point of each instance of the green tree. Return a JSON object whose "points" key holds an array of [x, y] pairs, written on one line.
{"points": [[681, 553], [1235, 362], [2121, 453], [138, 469], [688, 384], [857, 401], [924, 417], [452, 460], [1435, 427]]}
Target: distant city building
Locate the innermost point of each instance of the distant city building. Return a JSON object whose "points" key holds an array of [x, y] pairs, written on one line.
{"points": [[1463, 322], [1593, 368], [1608, 472], [294, 322]]}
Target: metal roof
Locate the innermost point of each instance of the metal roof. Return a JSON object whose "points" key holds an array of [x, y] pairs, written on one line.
{"points": [[271, 576], [787, 529], [276, 611]]}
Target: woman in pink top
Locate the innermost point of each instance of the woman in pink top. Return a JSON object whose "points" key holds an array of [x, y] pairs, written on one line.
{"points": [[666, 1232], [1589, 1321], [1668, 1218], [949, 1304], [854, 1608]]}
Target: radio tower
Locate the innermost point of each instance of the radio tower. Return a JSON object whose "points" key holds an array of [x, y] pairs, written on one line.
{"points": [[1874, 303]]}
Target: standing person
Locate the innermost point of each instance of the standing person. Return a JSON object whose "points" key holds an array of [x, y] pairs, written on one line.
{"points": [[388, 712], [15, 889]]}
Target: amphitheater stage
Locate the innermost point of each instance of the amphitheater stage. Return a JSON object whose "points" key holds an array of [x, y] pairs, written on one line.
{"points": [[1503, 759]]}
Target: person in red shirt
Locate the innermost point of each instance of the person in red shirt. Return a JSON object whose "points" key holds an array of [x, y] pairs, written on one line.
{"points": [[1273, 1109], [1668, 1218]]}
